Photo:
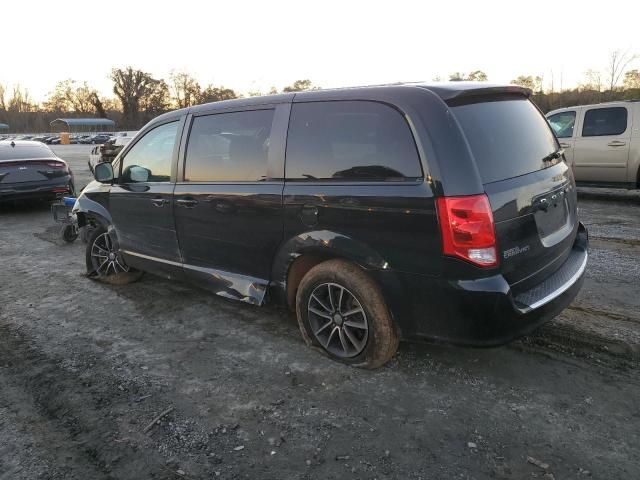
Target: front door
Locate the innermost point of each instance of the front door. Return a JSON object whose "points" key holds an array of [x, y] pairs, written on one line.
{"points": [[563, 125], [228, 206], [602, 148], [141, 202]]}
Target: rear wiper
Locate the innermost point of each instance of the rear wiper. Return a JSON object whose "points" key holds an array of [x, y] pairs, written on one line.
{"points": [[553, 155]]}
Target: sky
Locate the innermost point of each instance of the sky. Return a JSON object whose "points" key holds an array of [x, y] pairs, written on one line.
{"points": [[252, 45]]}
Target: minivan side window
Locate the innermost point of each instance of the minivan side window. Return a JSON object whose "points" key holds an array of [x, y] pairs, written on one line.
{"points": [[604, 121], [562, 124], [350, 141], [149, 160], [227, 147]]}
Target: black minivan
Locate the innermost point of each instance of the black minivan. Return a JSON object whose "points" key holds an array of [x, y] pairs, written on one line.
{"points": [[409, 211]]}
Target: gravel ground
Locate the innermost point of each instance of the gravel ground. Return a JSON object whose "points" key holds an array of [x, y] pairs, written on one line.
{"points": [[86, 367]]}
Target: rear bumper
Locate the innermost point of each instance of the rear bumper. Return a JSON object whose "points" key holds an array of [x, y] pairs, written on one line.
{"points": [[30, 190], [481, 312]]}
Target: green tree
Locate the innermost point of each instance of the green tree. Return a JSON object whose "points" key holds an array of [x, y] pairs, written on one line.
{"points": [[299, 86], [216, 94], [475, 76], [632, 79], [528, 81]]}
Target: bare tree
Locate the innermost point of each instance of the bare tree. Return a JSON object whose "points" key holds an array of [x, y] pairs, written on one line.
{"points": [[157, 100], [3, 104], [98, 105], [185, 89], [133, 87], [618, 63], [593, 80], [20, 101]]}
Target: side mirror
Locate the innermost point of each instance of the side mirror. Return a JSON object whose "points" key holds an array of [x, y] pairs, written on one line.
{"points": [[139, 174], [103, 172]]}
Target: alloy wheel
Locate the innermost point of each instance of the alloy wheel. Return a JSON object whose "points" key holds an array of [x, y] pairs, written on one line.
{"points": [[338, 320], [104, 257]]}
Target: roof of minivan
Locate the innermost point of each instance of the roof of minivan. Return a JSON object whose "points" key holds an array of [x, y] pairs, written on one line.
{"points": [[446, 91]]}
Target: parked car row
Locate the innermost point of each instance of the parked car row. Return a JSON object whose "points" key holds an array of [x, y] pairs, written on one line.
{"points": [[54, 139]]}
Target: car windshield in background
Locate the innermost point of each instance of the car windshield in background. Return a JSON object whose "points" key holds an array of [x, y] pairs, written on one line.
{"points": [[563, 123], [508, 138], [24, 152]]}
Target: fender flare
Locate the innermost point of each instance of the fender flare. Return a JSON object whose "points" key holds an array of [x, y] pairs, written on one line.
{"points": [[84, 207], [324, 243]]}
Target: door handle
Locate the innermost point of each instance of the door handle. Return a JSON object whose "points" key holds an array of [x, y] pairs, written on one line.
{"points": [[616, 143], [158, 202], [565, 145], [187, 202]]}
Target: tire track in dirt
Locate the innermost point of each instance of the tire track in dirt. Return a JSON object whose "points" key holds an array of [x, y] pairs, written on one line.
{"points": [[74, 416]]}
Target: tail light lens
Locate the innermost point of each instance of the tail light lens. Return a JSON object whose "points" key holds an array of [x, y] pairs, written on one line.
{"points": [[54, 164], [468, 231]]}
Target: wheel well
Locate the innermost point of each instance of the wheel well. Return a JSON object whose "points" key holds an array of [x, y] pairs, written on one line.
{"points": [[299, 269], [93, 219]]}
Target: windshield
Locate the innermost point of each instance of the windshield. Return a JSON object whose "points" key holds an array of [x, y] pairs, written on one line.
{"points": [[508, 138], [562, 124]]}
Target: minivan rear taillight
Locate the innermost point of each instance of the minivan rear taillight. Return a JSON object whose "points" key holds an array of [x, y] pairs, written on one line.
{"points": [[467, 229]]}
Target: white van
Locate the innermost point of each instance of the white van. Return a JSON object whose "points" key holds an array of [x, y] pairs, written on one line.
{"points": [[601, 141]]}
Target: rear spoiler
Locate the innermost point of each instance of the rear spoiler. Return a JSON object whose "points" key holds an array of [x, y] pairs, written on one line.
{"points": [[488, 94], [460, 93]]}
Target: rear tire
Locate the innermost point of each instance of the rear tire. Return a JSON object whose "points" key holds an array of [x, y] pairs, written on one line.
{"points": [[104, 262], [342, 313]]}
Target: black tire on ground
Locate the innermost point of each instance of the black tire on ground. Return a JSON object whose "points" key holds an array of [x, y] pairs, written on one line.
{"points": [[381, 338], [110, 277]]}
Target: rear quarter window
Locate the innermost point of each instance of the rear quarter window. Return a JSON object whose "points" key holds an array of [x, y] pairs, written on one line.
{"points": [[350, 141], [508, 138], [600, 122]]}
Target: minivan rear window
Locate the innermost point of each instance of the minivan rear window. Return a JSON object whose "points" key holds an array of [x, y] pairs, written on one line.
{"points": [[508, 138]]}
